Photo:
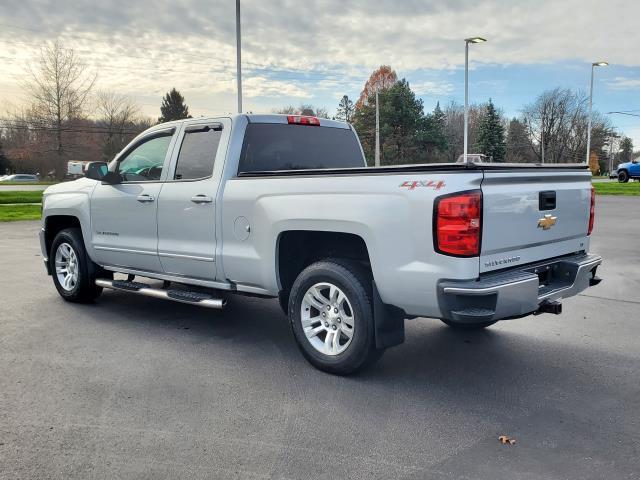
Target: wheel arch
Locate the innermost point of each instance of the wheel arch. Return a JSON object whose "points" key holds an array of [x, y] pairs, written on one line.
{"points": [[53, 224], [297, 249]]}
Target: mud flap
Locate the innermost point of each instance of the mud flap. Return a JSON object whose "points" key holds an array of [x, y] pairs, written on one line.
{"points": [[389, 322]]}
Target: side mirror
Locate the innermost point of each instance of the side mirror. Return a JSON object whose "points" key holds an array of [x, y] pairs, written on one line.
{"points": [[111, 178], [96, 170]]}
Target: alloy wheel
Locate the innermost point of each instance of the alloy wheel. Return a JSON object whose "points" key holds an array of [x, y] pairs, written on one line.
{"points": [[327, 318]]}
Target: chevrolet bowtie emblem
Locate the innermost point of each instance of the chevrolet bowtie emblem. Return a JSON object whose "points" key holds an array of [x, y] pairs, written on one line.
{"points": [[547, 222]]}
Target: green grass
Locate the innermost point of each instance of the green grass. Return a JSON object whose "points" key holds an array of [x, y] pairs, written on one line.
{"points": [[20, 197], [53, 182], [615, 188], [12, 213]]}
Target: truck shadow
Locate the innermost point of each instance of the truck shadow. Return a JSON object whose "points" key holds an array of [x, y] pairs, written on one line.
{"points": [[433, 356]]}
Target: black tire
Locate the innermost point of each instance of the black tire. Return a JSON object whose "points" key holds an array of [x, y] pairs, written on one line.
{"points": [[467, 326], [85, 289], [623, 176], [355, 283]]}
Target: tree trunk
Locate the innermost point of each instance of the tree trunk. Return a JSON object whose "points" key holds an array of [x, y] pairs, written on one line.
{"points": [[61, 170]]}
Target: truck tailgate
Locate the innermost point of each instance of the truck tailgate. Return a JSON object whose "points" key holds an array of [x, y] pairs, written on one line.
{"points": [[533, 215]]}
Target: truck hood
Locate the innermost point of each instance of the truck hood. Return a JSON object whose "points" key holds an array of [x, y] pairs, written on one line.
{"points": [[80, 185], [624, 165]]}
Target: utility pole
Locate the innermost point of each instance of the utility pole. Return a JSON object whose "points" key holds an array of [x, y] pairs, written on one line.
{"points": [[377, 155], [611, 153], [542, 141], [238, 57]]}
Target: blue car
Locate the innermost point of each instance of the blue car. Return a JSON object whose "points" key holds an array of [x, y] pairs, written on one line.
{"points": [[629, 170]]}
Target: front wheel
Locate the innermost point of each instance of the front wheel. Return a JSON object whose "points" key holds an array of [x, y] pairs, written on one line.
{"points": [[331, 316], [467, 326], [623, 176], [72, 270]]}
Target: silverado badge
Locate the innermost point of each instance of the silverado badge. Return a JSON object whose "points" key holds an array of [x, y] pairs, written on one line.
{"points": [[547, 222]]}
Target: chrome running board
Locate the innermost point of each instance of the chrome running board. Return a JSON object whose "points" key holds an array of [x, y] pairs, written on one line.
{"points": [[182, 296]]}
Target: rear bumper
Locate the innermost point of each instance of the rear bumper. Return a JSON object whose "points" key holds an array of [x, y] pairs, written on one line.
{"points": [[520, 292]]}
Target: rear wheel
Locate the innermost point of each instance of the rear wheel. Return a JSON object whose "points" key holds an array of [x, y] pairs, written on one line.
{"points": [[73, 271], [331, 316], [467, 326], [623, 176]]}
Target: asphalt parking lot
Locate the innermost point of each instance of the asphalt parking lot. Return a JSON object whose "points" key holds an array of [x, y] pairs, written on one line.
{"points": [[140, 388]]}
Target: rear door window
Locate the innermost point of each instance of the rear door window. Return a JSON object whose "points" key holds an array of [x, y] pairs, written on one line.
{"points": [[198, 152], [276, 146]]}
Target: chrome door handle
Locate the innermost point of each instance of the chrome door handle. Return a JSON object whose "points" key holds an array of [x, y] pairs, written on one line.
{"points": [[201, 199], [145, 198]]}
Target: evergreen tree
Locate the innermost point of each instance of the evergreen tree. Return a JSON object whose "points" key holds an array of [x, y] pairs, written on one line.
{"points": [[434, 134], [173, 107], [402, 124], [345, 109], [626, 150], [491, 134], [518, 146]]}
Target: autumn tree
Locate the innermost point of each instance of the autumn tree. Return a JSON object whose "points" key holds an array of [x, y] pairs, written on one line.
{"points": [[491, 141], [381, 79], [345, 109], [173, 107], [59, 86]]}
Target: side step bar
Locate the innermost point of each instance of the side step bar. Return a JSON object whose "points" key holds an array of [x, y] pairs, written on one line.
{"points": [[182, 296]]}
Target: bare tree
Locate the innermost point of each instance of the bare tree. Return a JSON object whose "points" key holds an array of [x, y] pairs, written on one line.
{"points": [[59, 86], [303, 109], [557, 124], [454, 128], [118, 116], [288, 110]]}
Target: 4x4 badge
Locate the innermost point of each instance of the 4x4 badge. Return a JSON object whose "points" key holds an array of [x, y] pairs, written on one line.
{"points": [[413, 184], [547, 222]]}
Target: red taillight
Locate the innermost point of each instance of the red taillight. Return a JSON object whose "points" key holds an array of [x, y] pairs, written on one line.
{"points": [[302, 120], [592, 211], [458, 224]]}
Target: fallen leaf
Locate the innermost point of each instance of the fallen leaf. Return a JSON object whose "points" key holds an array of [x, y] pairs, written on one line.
{"points": [[506, 440]]}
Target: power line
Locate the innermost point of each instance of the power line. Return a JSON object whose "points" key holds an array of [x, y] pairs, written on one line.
{"points": [[624, 113]]}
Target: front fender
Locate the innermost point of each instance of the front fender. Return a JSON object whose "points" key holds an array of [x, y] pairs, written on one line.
{"points": [[71, 199]]}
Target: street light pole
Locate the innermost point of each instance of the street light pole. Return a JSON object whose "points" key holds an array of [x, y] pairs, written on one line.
{"points": [[238, 57], [593, 67], [467, 41]]}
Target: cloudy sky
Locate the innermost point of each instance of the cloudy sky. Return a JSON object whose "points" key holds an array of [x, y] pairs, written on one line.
{"points": [[315, 51]]}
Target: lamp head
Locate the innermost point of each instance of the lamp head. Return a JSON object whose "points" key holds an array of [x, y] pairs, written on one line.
{"points": [[475, 40], [600, 64]]}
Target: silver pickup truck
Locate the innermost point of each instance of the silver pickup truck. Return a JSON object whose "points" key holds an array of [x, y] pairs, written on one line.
{"points": [[284, 206]]}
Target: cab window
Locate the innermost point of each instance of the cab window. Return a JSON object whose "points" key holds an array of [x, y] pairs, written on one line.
{"points": [[145, 162]]}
